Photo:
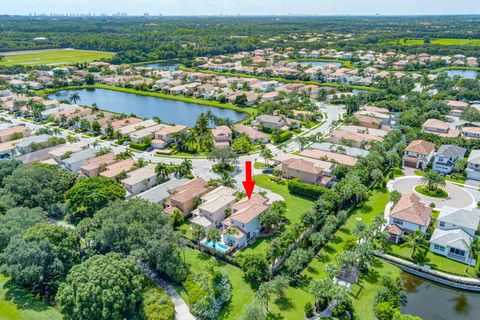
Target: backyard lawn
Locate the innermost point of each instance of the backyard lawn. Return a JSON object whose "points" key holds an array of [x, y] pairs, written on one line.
{"points": [[364, 291], [54, 57], [291, 307], [18, 304]]}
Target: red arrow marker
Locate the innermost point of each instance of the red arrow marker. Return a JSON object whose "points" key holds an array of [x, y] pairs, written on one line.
{"points": [[248, 184]]}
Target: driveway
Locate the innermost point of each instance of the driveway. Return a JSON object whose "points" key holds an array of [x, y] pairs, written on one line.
{"points": [[458, 197]]}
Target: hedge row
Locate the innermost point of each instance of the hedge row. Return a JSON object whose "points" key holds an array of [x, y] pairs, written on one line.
{"points": [[139, 146], [304, 189]]}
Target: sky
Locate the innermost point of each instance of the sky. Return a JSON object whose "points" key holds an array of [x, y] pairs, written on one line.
{"points": [[243, 7]]}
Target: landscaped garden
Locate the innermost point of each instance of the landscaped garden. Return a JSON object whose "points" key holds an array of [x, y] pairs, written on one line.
{"points": [[431, 193]]}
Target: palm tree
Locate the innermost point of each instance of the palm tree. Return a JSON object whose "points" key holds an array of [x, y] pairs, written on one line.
{"points": [[433, 179], [74, 97], [473, 251], [163, 170], [414, 240], [185, 168], [95, 143], [266, 154], [302, 142], [95, 108], [227, 181], [56, 131]]}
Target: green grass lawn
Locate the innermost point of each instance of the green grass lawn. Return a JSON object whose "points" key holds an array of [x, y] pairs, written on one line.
{"points": [[397, 172], [441, 41], [291, 307], [433, 260], [437, 193], [364, 291], [54, 57], [448, 178], [18, 304]]}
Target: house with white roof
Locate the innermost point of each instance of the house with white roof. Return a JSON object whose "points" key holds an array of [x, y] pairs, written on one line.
{"points": [[214, 207], [76, 160], [140, 180], [456, 228]]}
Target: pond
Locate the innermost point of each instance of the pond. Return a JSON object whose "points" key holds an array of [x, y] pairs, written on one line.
{"points": [[432, 301], [320, 63], [469, 74], [169, 111], [170, 66]]}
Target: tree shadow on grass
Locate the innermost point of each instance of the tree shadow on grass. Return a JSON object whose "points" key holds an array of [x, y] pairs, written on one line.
{"points": [[22, 298], [284, 303]]}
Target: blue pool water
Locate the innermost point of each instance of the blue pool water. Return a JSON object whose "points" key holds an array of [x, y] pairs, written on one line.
{"points": [[218, 246]]}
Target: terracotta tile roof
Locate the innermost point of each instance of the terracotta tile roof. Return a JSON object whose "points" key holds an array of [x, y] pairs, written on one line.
{"points": [[250, 132], [221, 131], [330, 156], [409, 209], [115, 169], [421, 146], [436, 124], [96, 162], [188, 191], [393, 229], [169, 130]]}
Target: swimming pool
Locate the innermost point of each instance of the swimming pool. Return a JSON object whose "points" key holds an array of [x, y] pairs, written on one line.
{"points": [[217, 246]]}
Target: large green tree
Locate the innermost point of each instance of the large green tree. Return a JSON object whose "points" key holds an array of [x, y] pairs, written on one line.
{"points": [[102, 287], [38, 185], [91, 194], [16, 220]]}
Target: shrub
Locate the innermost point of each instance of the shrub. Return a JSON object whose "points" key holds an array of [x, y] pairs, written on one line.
{"points": [[139, 146], [156, 305], [304, 189], [309, 311]]}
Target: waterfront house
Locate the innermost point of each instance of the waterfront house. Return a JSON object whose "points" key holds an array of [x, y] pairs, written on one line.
{"points": [[455, 230], [408, 215], [222, 136], [446, 156], [254, 135], [418, 154]]}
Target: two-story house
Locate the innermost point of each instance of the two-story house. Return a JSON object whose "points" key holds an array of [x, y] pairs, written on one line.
{"points": [[244, 221], [473, 165], [439, 128], [455, 231], [408, 215], [418, 154], [446, 156], [214, 208], [222, 136]]}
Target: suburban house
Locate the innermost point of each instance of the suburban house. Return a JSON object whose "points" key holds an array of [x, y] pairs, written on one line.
{"points": [[140, 180], [167, 135], [330, 156], [116, 169], [159, 193], [457, 107], [446, 156], [59, 153], [473, 165], [358, 140], [455, 230], [14, 133], [245, 221], [126, 130], [311, 171], [76, 160], [276, 122], [471, 132], [184, 197], [93, 166], [408, 215], [222, 136], [440, 128], [146, 133], [26, 145], [254, 135], [213, 210], [418, 154]]}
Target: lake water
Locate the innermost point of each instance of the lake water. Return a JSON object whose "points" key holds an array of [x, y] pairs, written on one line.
{"points": [[432, 301], [319, 63], [169, 111], [171, 66], [469, 74]]}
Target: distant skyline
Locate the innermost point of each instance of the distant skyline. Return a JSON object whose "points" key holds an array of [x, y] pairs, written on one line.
{"points": [[242, 7]]}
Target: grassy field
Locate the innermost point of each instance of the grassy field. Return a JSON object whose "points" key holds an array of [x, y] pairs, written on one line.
{"points": [[364, 291], [53, 57], [440, 41], [17, 304]]}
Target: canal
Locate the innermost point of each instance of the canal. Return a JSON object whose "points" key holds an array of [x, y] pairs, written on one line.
{"points": [[468, 74], [170, 66], [432, 301], [169, 111]]}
